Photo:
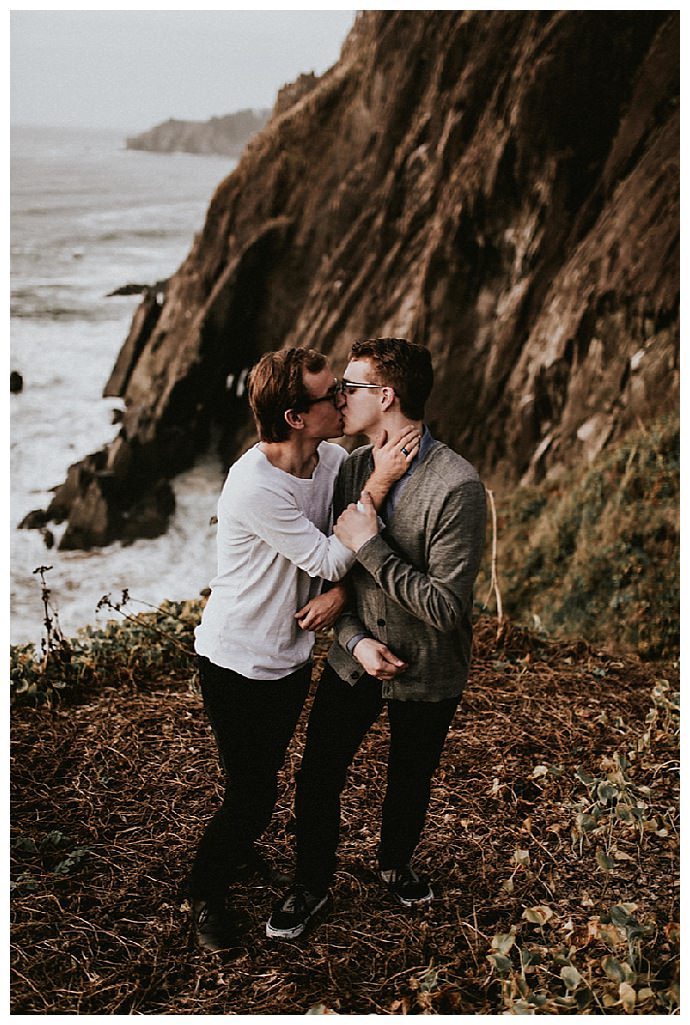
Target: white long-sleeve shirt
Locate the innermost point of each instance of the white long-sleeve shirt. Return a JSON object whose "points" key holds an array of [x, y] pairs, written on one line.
{"points": [[274, 550]]}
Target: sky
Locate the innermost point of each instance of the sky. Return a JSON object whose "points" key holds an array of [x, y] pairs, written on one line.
{"points": [[130, 70]]}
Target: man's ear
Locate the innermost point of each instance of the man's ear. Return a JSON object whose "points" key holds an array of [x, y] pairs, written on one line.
{"points": [[388, 397], [294, 420]]}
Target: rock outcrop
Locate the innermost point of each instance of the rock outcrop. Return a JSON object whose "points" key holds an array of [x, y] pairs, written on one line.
{"points": [[225, 136], [500, 186]]}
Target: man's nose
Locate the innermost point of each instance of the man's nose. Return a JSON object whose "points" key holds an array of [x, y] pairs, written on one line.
{"points": [[340, 400]]}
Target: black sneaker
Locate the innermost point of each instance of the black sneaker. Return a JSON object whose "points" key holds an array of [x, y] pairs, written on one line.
{"points": [[406, 886], [215, 927], [293, 913]]}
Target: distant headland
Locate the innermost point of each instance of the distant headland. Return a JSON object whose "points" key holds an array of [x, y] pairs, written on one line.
{"points": [[224, 136]]}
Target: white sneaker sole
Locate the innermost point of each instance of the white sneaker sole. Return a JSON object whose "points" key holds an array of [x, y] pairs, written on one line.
{"points": [[414, 903], [291, 934]]}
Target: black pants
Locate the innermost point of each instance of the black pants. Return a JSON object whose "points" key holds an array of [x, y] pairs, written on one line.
{"points": [[253, 722], [339, 720]]}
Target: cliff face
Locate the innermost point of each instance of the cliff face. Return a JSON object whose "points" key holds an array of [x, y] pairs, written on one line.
{"points": [[499, 186], [226, 136]]}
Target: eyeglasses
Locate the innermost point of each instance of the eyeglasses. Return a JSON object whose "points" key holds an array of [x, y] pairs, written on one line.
{"points": [[330, 396], [349, 387]]}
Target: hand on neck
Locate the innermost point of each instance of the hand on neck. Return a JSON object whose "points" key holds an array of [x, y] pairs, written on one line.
{"points": [[392, 422]]}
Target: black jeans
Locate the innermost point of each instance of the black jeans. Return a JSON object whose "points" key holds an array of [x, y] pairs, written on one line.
{"points": [[339, 720], [253, 722]]}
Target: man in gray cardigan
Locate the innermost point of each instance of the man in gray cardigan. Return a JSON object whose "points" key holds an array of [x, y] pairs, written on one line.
{"points": [[405, 640]]}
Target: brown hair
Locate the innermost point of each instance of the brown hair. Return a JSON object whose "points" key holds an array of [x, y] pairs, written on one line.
{"points": [[276, 384], [403, 366]]}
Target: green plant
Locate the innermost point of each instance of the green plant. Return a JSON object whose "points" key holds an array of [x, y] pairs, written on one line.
{"points": [[595, 553], [152, 644]]}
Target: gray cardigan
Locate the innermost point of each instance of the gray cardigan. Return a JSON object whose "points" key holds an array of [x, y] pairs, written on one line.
{"points": [[412, 583]]}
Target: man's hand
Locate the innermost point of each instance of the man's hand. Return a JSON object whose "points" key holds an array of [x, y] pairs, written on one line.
{"points": [[357, 524], [321, 612], [392, 458], [377, 659]]}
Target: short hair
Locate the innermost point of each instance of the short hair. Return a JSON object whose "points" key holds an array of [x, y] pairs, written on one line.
{"points": [[403, 366], [276, 384]]}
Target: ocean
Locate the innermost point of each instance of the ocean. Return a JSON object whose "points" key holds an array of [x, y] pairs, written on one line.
{"points": [[87, 217]]}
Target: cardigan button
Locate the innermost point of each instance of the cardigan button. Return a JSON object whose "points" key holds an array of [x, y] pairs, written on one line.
{"points": [[354, 676], [380, 622]]}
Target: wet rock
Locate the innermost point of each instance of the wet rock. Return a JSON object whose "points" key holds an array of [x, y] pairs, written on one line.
{"points": [[36, 519], [16, 382]]}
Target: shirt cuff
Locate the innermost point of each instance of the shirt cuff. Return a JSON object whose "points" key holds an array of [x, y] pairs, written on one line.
{"points": [[353, 642], [372, 553]]}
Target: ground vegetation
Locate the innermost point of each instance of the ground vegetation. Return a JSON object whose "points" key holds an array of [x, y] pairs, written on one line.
{"points": [[552, 840]]}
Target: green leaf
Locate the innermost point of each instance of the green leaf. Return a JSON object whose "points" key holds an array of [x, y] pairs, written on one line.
{"points": [[614, 969], [571, 977], [584, 777], [72, 860], [583, 998], [607, 793], [620, 915], [586, 823], [53, 839], [603, 861], [538, 915], [530, 957], [429, 981], [25, 843], [503, 941], [502, 964]]}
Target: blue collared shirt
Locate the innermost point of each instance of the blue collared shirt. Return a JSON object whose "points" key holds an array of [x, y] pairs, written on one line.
{"points": [[395, 492]]}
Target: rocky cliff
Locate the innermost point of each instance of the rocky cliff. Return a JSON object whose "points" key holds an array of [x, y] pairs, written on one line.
{"points": [[500, 186], [226, 136]]}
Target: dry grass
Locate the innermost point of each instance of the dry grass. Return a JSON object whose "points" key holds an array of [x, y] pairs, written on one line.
{"points": [[110, 797]]}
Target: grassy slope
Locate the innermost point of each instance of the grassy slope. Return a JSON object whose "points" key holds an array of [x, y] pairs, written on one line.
{"points": [[596, 554]]}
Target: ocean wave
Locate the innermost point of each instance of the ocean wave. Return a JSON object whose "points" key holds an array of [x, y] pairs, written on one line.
{"points": [[123, 235], [39, 310], [81, 227]]}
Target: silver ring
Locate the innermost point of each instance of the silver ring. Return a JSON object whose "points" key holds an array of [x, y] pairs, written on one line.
{"points": [[404, 451]]}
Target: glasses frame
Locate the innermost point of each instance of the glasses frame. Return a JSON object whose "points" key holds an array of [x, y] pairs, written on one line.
{"points": [[358, 384], [331, 396]]}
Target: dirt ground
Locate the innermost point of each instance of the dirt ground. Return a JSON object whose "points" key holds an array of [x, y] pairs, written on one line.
{"points": [[551, 841]]}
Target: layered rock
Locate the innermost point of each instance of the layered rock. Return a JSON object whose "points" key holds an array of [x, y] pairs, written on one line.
{"points": [[499, 186]]}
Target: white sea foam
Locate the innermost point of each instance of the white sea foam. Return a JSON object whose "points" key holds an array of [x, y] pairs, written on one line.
{"points": [[88, 217]]}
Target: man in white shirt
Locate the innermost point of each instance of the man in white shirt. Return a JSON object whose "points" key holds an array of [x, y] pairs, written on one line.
{"points": [[275, 547]]}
